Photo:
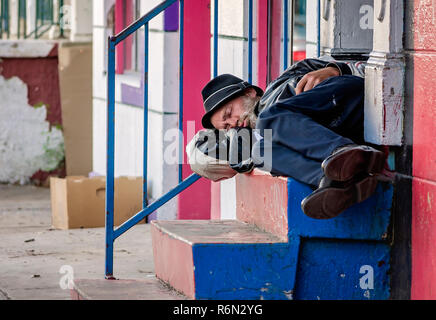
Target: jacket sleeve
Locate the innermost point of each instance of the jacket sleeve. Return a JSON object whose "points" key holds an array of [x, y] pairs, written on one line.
{"points": [[351, 68], [284, 86]]}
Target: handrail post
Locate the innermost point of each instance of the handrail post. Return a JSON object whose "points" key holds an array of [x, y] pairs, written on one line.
{"points": [[8, 20], [25, 19], [215, 38], [60, 18], [42, 12], [181, 30], [36, 18], [250, 41], [145, 151], [318, 42], [110, 159], [285, 34], [4, 19], [1, 19], [20, 4], [292, 30]]}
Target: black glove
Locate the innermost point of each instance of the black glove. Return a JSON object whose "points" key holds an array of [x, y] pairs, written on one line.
{"points": [[240, 143], [213, 143]]}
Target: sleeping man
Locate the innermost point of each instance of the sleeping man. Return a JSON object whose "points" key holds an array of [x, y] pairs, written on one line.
{"points": [[313, 113]]}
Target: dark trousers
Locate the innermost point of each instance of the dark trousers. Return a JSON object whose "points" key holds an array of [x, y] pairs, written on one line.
{"points": [[307, 128]]}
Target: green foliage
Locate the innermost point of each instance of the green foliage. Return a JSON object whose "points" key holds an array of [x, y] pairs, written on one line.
{"points": [[39, 105], [54, 153]]}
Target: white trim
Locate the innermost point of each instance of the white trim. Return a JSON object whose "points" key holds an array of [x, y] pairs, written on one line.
{"points": [[218, 103], [232, 85], [28, 48]]}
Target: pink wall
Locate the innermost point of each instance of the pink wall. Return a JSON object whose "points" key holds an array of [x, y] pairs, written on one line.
{"points": [[195, 202], [424, 154], [119, 26], [276, 34], [123, 18], [262, 40], [215, 201]]}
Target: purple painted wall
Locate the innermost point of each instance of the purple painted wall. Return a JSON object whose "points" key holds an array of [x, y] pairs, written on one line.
{"points": [[133, 95], [171, 17]]}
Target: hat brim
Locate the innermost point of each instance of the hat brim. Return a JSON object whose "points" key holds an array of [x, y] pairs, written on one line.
{"points": [[205, 121]]}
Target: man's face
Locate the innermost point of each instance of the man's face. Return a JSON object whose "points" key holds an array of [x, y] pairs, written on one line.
{"points": [[228, 116]]}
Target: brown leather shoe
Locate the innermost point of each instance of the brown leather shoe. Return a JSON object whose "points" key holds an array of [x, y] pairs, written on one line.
{"points": [[333, 197], [348, 161]]}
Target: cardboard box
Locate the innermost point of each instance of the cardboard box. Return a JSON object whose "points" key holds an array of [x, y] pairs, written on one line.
{"points": [[78, 201]]}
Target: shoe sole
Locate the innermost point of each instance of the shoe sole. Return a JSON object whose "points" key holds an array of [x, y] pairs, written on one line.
{"points": [[330, 202], [345, 165]]}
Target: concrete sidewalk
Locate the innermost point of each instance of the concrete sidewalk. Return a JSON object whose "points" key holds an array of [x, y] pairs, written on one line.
{"points": [[32, 253]]}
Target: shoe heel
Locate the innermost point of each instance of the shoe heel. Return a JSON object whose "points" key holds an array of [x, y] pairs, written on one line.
{"points": [[365, 188], [376, 163]]}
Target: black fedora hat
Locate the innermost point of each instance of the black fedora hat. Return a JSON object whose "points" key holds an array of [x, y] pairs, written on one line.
{"points": [[220, 90]]}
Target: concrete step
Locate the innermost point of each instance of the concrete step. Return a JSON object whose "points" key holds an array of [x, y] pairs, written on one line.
{"points": [[226, 259], [262, 200], [150, 288]]}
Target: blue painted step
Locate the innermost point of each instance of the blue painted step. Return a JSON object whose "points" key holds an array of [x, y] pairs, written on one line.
{"points": [[342, 258], [221, 260]]}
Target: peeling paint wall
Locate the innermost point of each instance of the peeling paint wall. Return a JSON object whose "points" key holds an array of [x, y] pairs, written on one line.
{"points": [[27, 141], [41, 77]]}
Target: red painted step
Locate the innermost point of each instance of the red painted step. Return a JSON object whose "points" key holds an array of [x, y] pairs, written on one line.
{"points": [[262, 200]]}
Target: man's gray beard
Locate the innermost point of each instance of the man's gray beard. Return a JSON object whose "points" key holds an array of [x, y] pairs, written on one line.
{"points": [[249, 104]]}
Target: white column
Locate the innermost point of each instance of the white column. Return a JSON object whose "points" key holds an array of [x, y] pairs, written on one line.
{"points": [[31, 16], [329, 27], [13, 18], [384, 79], [81, 20], [311, 29]]}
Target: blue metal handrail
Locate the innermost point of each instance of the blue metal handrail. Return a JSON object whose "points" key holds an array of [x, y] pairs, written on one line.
{"points": [[215, 39], [111, 234], [318, 18], [182, 10], [250, 41], [285, 33]]}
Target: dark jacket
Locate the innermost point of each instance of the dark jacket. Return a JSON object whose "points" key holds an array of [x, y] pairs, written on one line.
{"points": [[229, 147], [284, 86]]}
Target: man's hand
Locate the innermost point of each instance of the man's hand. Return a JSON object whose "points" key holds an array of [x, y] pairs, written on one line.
{"points": [[312, 79]]}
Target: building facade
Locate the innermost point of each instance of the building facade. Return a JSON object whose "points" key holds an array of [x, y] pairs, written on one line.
{"points": [[45, 52]]}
